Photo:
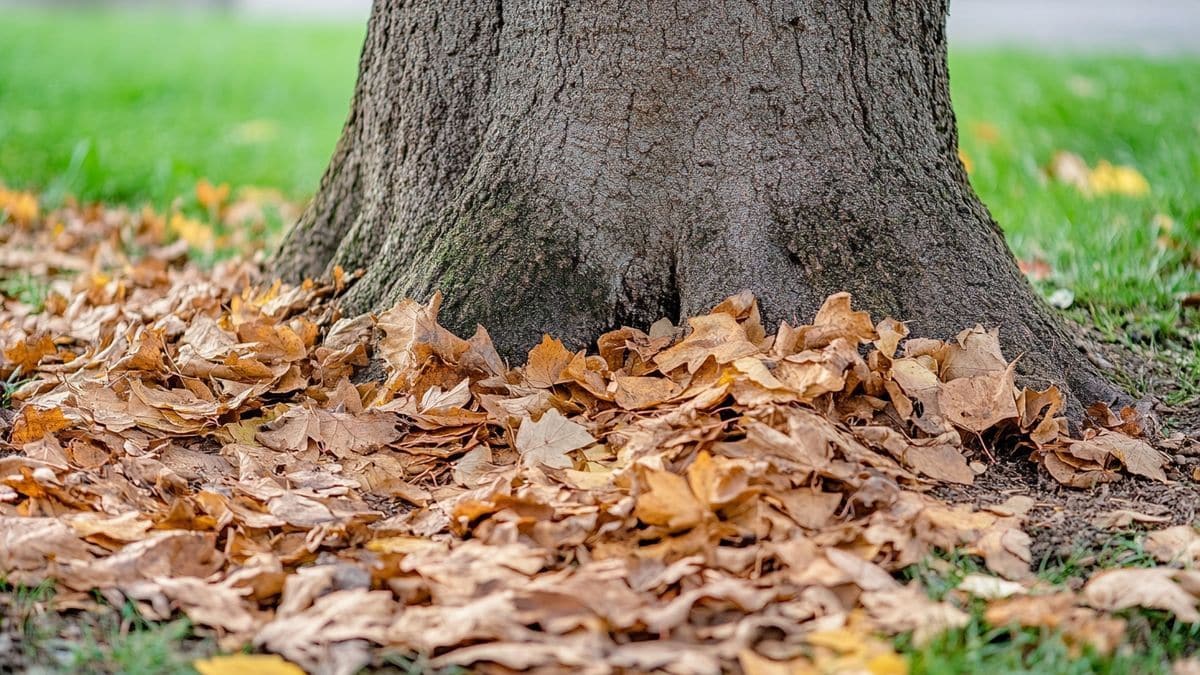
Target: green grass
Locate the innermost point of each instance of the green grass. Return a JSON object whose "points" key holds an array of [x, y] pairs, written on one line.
{"points": [[1153, 639], [133, 107], [1126, 110], [105, 640], [1156, 641], [25, 288]]}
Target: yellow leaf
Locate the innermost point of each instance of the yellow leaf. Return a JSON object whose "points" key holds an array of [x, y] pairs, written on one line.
{"points": [[402, 544], [1107, 178], [887, 664], [194, 232], [21, 207], [963, 157], [211, 196], [242, 664], [840, 640]]}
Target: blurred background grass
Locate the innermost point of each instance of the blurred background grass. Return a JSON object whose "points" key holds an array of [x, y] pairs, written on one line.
{"points": [[137, 107], [125, 106]]}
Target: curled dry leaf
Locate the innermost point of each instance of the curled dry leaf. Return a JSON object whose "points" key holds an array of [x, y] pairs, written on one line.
{"points": [[1153, 588], [1176, 545], [1123, 518]]}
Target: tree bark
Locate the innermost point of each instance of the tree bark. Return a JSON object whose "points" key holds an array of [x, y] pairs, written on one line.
{"points": [[567, 167]]}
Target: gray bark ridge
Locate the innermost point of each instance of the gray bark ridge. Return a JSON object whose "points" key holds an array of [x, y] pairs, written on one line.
{"points": [[564, 168]]}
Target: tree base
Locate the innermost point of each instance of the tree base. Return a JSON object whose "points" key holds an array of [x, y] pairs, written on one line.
{"points": [[567, 168]]}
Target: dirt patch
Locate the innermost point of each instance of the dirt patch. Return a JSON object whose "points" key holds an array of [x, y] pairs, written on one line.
{"points": [[1157, 372], [1063, 521]]}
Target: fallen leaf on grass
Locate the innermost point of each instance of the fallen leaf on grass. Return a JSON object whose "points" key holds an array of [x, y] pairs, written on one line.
{"points": [[244, 664], [1105, 178], [1153, 588], [1080, 626], [990, 588], [1179, 544]]}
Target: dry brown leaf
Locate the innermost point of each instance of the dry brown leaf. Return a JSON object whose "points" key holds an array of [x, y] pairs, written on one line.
{"points": [[1179, 544], [940, 461], [716, 336], [547, 362], [990, 588], [333, 631], [668, 502], [197, 441], [127, 527], [33, 423], [1006, 552], [1080, 626], [548, 440], [753, 664], [1152, 588], [636, 393], [909, 609], [973, 353], [216, 605], [26, 353], [1123, 518], [836, 320], [979, 402], [1137, 456]]}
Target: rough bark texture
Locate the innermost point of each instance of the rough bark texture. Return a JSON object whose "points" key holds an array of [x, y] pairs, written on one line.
{"points": [[567, 167]]}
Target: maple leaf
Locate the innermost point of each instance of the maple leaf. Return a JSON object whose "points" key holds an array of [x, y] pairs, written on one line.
{"points": [[25, 354], [34, 423], [836, 320], [716, 336], [635, 393], [341, 433], [546, 363], [978, 403], [548, 440]]}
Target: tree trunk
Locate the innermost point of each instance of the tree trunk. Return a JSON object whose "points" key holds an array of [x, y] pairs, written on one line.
{"points": [[565, 167]]}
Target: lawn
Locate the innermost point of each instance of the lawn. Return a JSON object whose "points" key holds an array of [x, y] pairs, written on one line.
{"points": [[1128, 259], [127, 108], [132, 107]]}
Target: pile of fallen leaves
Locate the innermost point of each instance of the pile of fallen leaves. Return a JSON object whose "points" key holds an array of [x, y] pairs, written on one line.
{"points": [[692, 499]]}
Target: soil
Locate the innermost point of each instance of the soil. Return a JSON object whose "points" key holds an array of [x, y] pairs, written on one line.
{"points": [[1062, 522]]}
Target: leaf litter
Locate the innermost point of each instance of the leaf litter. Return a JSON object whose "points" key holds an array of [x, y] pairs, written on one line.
{"points": [[688, 501]]}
